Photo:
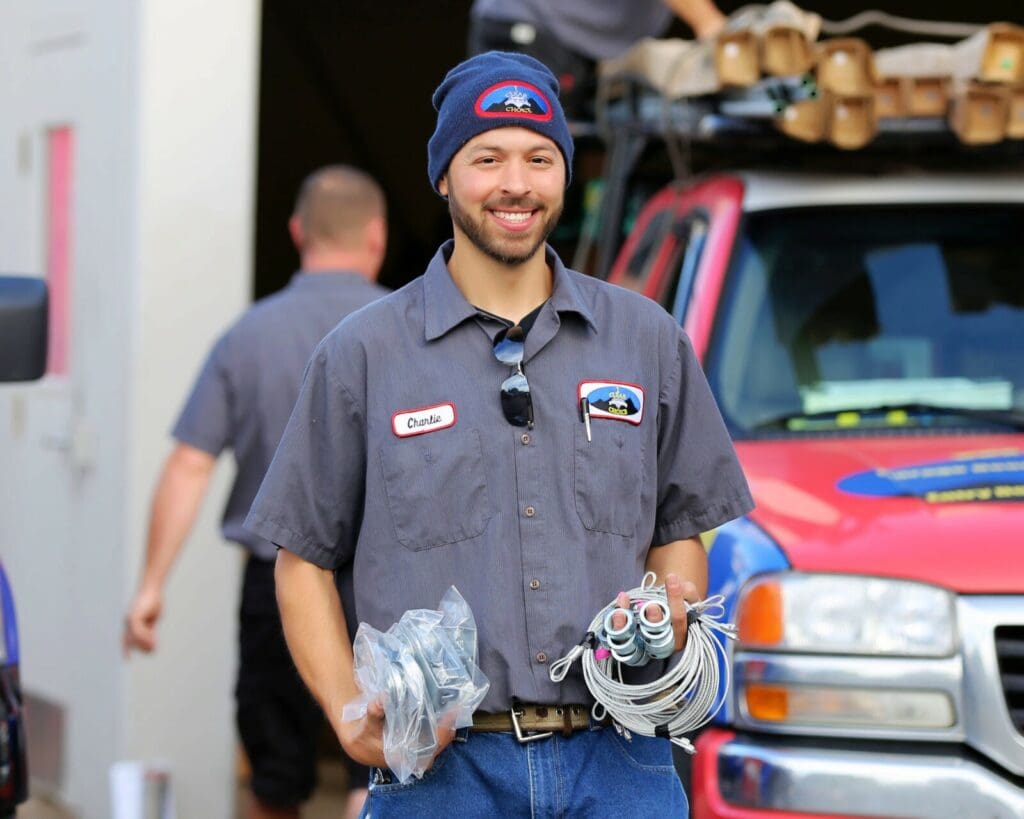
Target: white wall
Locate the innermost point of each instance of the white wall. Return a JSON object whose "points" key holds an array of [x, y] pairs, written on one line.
{"points": [[197, 121], [161, 95]]}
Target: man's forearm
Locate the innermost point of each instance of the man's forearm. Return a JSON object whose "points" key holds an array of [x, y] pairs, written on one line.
{"points": [[176, 502], [685, 558], [703, 16], [316, 631]]}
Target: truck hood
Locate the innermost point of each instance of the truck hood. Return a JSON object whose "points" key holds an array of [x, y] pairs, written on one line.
{"points": [[944, 510]]}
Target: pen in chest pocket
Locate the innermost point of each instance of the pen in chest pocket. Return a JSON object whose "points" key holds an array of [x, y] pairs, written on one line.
{"points": [[585, 415]]}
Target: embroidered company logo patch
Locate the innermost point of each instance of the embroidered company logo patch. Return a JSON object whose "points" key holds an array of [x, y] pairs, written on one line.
{"points": [[614, 400], [419, 421], [513, 99]]}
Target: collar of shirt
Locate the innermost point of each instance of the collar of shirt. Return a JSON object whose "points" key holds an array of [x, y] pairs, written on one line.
{"points": [[445, 307], [323, 278], [526, 322]]}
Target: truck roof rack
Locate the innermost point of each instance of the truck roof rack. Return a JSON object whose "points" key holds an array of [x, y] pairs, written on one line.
{"points": [[723, 103]]}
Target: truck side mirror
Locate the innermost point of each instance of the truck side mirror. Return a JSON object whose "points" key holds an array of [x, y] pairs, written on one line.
{"points": [[23, 328]]}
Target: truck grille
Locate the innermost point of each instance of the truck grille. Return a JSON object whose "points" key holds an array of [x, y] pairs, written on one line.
{"points": [[1010, 651]]}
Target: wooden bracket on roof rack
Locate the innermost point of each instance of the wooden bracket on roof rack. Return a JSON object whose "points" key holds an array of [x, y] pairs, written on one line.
{"points": [[732, 95], [979, 113]]}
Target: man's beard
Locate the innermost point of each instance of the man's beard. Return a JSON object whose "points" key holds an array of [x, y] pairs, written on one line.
{"points": [[491, 246]]}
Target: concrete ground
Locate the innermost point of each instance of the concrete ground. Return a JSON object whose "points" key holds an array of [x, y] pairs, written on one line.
{"points": [[327, 803], [36, 808], [40, 809]]}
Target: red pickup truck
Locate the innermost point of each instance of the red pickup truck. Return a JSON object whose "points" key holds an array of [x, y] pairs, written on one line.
{"points": [[864, 338]]}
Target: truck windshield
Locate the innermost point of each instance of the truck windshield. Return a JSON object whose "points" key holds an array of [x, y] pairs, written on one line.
{"points": [[846, 320]]}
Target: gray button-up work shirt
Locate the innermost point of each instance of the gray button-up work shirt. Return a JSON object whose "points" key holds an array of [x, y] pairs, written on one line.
{"points": [[398, 457], [248, 385]]}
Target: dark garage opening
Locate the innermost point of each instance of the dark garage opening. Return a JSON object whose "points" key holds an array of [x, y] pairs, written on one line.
{"points": [[351, 82]]}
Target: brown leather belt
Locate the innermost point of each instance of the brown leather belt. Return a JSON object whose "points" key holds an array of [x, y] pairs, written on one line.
{"points": [[530, 722]]}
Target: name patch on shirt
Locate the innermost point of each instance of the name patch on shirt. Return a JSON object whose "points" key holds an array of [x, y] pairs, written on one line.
{"points": [[613, 400], [419, 421]]}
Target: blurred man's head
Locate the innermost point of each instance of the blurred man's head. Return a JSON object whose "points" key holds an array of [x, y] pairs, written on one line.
{"points": [[340, 221]]}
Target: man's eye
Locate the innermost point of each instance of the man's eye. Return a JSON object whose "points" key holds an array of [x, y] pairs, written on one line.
{"points": [[487, 160], [541, 160]]}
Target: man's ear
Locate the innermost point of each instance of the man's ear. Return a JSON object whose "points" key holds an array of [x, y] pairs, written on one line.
{"points": [[377, 235], [295, 231], [442, 186]]}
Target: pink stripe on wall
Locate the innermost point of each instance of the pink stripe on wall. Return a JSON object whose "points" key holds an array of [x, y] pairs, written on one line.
{"points": [[60, 166]]}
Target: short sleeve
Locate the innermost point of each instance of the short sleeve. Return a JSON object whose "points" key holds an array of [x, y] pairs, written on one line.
{"points": [[205, 420], [311, 499], [700, 482]]}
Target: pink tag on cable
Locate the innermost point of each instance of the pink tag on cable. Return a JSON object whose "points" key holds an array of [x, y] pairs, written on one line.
{"points": [[602, 654]]}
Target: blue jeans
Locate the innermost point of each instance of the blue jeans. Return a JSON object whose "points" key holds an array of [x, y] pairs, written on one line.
{"points": [[590, 774]]}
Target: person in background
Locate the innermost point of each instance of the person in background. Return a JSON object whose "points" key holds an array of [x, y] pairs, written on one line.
{"points": [[530, 435], [571, 36], [241, 401]]}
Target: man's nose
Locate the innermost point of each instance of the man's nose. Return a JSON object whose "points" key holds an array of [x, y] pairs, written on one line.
{"points": [[516, 179]]}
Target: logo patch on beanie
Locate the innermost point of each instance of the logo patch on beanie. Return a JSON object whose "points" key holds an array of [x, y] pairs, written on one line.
{"points": [[513, 99]]}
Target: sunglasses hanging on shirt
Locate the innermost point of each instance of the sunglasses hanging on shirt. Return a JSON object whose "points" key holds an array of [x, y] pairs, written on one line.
{"points": [[516, 403]]}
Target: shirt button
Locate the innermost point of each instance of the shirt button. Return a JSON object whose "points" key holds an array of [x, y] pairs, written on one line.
{"points": [[534, 584], [542, 657], [530, 511], [526, 438]]}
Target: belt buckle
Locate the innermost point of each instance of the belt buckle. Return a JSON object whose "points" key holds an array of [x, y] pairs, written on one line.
{"points": [[524, 738]]}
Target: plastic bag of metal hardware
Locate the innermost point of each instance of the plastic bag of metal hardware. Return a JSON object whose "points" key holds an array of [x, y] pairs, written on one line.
{"points": [[423, 669]]}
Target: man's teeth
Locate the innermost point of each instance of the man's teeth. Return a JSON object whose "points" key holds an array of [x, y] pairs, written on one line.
{"points": [[513, 217]]}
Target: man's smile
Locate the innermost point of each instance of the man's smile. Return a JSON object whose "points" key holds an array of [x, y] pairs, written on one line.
{"points": [[515, 220]]}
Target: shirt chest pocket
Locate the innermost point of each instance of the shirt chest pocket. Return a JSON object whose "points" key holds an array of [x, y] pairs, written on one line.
{"points": [[436, 488], [609, 477]]}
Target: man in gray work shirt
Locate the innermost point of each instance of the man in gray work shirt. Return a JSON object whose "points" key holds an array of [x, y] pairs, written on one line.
{"points": [[439, 440], [242, 400]]}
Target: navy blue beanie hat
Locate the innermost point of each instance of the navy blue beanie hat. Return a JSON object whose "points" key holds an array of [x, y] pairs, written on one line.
{"points": [[497, 89]]}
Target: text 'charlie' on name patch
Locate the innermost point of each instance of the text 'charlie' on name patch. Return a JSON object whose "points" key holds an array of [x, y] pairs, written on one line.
{"points": [[613, 400], [427, 419]]}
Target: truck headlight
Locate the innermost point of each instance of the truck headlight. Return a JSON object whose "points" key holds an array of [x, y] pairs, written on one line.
{"points": [[844, 614]]}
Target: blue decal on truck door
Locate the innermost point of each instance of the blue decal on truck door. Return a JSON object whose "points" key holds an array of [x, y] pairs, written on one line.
{"points": [[960, 480]]}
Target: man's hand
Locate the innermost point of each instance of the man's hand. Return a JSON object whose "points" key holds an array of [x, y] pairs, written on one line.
{"points": [[176, 501], [363, 739], [678, 593], [141, 620]]}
